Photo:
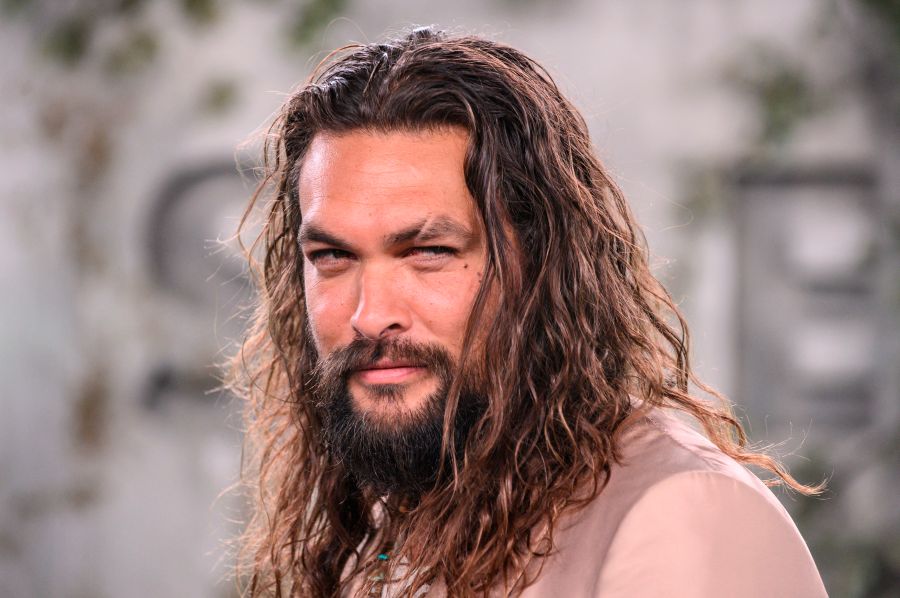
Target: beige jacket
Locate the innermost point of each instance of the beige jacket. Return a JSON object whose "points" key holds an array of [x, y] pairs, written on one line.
{"points": [[678, 519]]}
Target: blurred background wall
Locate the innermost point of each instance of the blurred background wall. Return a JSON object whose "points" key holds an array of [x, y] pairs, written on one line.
{"points": [[757, 140]]}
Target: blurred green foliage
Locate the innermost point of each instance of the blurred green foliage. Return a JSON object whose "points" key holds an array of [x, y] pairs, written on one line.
{"points": [[13, 7], [134, 54], [780, 88], [66, 33], [887, 11], [69, 40], [219, 96], [201, 12], [785, 98], [120, 40], [311, 18]]}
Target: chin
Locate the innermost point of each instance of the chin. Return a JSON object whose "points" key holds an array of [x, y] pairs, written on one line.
{"points": [[390, 400], [389, 437]]}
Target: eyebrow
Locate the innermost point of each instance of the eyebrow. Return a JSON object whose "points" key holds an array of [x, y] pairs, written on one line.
{"points": [[422, 231], [312, 233], [428, 230]]}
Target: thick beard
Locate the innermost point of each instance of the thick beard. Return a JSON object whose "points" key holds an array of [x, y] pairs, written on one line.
{"points": [[400, 454]]}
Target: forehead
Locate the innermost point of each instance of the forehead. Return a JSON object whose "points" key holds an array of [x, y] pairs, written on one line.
{"points": [[369, 180]]}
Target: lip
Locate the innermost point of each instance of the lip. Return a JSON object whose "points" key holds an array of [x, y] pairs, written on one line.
{"points": [[388, 372]]}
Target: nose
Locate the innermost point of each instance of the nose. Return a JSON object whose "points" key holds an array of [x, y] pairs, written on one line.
{"points": [[381, 309]]}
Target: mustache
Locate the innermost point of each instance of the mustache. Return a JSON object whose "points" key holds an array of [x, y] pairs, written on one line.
{"points": [[363, 353]]}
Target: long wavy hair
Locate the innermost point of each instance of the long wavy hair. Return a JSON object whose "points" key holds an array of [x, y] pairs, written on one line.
{"points": [[582, 341]]}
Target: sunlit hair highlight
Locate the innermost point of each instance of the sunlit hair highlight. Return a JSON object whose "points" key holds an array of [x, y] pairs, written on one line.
{"points": [[583, 339]]}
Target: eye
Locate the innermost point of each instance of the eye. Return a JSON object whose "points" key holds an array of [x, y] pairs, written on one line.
{"points": [[433, 251], [328, 257]]}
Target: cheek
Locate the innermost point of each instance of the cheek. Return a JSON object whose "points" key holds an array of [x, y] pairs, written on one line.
{"points": [[445, 303], [325, 308]]}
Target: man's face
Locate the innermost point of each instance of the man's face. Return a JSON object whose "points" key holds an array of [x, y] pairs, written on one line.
{"points": [[393, 255]]}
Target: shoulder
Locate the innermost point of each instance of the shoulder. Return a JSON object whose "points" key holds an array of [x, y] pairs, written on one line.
{"points": [[701, 533], [661, 450], [679, 517]]}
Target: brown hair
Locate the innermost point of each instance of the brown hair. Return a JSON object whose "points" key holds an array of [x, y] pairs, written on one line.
{"points": [[584, 337]]}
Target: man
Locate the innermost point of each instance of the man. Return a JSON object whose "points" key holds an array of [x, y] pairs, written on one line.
{"points": [[463, 379]]}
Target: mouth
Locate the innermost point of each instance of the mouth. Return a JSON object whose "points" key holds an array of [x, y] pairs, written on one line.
{"points": [[388, 372]]}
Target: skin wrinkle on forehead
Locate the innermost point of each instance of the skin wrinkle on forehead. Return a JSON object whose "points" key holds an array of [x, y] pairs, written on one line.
{"points": [[398, 173]]}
